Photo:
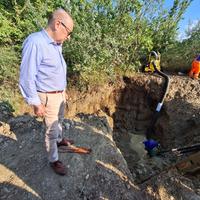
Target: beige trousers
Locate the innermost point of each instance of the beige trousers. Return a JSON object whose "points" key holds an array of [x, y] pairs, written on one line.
{"points": [[54, 108]]}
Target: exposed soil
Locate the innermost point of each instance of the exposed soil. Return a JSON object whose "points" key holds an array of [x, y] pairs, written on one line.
{"points": [[112, 120]]}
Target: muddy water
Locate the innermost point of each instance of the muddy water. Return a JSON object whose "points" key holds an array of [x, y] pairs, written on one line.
{"points": [[136, 144]]}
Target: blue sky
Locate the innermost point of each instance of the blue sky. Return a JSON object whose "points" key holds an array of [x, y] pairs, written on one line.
{"points": [[191, 15]]}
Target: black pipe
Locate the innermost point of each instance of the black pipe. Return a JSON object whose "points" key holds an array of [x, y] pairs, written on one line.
{"points": [[166, 84], [195, 147], [159, 105], [188, 151]]}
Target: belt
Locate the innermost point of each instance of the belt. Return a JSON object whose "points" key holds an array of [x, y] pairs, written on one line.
{"points": [[52, 92]]}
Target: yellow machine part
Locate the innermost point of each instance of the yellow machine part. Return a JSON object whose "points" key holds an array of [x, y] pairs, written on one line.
{"points": [[153, 57]]}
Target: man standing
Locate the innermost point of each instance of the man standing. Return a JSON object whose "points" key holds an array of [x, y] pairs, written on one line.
{"points": [[43, 80]]}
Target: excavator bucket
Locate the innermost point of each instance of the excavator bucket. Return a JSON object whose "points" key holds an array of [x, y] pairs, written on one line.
{"points": [[190, 165]]}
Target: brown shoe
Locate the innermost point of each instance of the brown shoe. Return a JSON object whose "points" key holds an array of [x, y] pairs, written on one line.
{"points": [[65, 142], [58, 167]]}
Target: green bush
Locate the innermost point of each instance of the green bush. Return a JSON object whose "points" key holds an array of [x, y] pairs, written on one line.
{"points": [[181, 54], [9, 65]]}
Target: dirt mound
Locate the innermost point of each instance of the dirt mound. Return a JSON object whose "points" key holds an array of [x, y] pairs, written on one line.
{"points": [[112, 120]]}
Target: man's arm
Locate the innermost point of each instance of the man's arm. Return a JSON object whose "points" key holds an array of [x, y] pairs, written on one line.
{"points": [[28, 71]]}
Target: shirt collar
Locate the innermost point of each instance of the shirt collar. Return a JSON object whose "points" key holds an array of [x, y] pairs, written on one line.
{"points": [[47, 37]]}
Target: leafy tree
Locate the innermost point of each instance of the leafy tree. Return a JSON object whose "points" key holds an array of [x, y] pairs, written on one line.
{"points": [[109, 36], [180, 55]]}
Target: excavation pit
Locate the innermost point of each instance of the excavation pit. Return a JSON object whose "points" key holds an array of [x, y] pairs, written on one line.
{"points": [[131, 104], [129, 108], [134, 107]]}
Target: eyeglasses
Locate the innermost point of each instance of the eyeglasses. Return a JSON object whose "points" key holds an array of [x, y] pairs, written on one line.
{"points": [[68, 31]]}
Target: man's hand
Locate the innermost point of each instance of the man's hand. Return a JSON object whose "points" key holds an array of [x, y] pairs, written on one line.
{"points": [[39, 110]]}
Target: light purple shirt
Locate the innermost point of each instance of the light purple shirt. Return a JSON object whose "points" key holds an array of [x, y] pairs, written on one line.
{"points": [[43, 67]]}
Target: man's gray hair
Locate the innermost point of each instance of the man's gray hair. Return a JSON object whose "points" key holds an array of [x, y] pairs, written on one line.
{"points": [[57, 14]]}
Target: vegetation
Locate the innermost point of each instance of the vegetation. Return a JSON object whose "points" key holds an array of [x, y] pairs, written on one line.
{"points": [[179, 56], [109, 37]]}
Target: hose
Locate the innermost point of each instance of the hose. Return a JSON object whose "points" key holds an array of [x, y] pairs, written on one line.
{"points": [[166, 84], [187, 149], [160, 104]]}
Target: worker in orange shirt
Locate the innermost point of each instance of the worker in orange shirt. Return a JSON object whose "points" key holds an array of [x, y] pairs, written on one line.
{"points": [[195, 69]]}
